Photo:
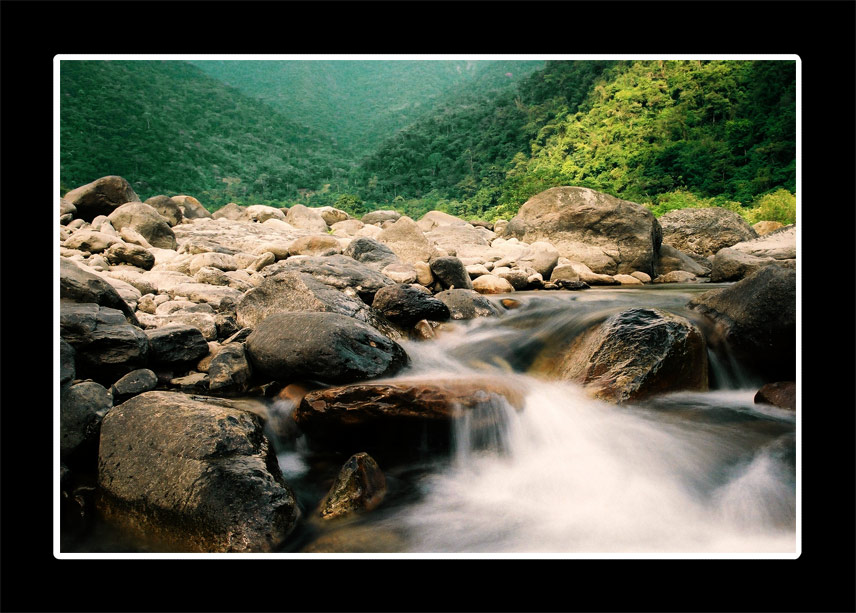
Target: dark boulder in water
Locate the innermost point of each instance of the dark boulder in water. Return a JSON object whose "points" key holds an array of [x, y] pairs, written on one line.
{"points": [[360, 486], [192, 474], [407, 304], [782, 394]]}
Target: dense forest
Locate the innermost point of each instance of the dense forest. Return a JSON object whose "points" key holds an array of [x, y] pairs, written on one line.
{"points": [[473, 139]]}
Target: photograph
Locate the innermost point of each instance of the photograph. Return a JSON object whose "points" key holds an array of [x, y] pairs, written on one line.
{"points": [[353, 306]]}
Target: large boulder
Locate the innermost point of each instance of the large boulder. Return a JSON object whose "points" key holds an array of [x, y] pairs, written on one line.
{"points": [[730, 264], [337, 271], [370, 252], [230, 371], [326, 347], [92, 241], [232, 212], [101, 197], [407, 304], [176, 346], [315, 245], [79, 285], [193, 474], [704, 231], [304, 218], [167, 208], [451, 273], [633, 355], [756, 320], [190, 207], [669, 259], [435, 219], [145, 220], [106, 346], [607, 234], [407, 241], [81, 409], [378, 217]]}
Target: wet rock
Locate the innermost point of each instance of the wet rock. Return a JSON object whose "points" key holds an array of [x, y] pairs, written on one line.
{"points": [[229, 371], [106, 345], [176, 346], [191, 383], [756, 319], [145, 220], [135, 382], [451, 273], [607, 234], [325, 347], [401, 414], [633, 355], [782, 394], [82, 407], [193, 474], [467, 304], [407, 304], [101, 197], [166, 208], [360, 486], [704, 231]]}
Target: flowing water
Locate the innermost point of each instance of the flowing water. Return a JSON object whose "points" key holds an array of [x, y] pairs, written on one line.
{"points": [[682, 473]]}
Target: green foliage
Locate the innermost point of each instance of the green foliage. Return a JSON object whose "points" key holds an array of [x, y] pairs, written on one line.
{"points": [[681, 199], [780, 205]]}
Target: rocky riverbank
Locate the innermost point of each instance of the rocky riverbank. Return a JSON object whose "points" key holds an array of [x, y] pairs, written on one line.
{"points": [[173, 319]]}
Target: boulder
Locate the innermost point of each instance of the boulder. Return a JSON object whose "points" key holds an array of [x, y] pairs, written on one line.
{"points": [[729, 264], [627, 280], [360, 486], [66, 364], [780, 244], [541, 256], [451, 272], [755, 319], [677, 276], [176, 346], [193, 474], [765, 227], [633, 355], [81, 409], [260, 213], [407, 304], [492, 284], [435, 219], [145, 220], [347, 228], [704, 231], [378, 217], [134, 383], [316, 245], [337, 271], [219, 297], [106, 346], [91, 241], [400, 273], [325, 347], [305, 218], [467, 304], [782, 394], [459, 238], [190, 207], [605, 233], [167, 208], [371, 252], [407, 241], [230, 371], [134, 255], [101, 197], [220, 261], [403, 414], [585, 274], [332, 215], [670, 259], [232, 212]]}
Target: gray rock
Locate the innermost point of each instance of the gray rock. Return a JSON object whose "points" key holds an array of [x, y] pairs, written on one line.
{"points": [[756, 319], [400, 273], [220, 261], [325, 347], [135, 382], [407, 304], [66, 364], [101, 197], [467, 304], [704, 231], [451, 272], [81, 408], [229, 372], [732, 265], [176, 346], [378, 217], [305, 218], [669, 259], [167, 208], [90, 240], [676, 276], [193, 475], [144, 219], [371, 252], [406, 240], [337, 271], [607, 234]]}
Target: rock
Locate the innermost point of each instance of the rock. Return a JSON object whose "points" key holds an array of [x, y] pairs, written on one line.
{"points": [[297, 292], [477, 270], [435, 219], [765, 227], [347, 228], [627, 280], [191, 208], [144, 219], [229, 372], [66, 364], [262, 261], [670, 259], [176, 346], [220, 261], [778, 245], [704, 231], [135, 255], [677, 276], [400, 273], [378, 217], [305, 218], [450, 271], [459, 240], [101, 197], [406, 240], [325, 347], [206, 323], [106, 346], [492, 284], [332, 215], [732, 265], [82, 406], [337, 271], [220, 298], [519, 279], [586, 275], [91, 241], [360, 486], [135, 382], [782, 394], [215, 276], [129, 235], [424, 276], [756, 319], [372, 253], [407, 304], [633, 355], [260, 213], [541, 256], [232, 212], [607, 234], [315, 244], [641, 276], [193, 474], [467, 304], [191, 383], [499, 226], [167, 208], [402, 414]]}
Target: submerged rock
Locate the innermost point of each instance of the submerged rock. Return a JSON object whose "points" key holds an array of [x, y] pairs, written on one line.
{"points": [[193, 474], [360, 486]]}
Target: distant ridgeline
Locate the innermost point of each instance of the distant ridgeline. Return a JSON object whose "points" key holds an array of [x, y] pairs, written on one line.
{"points": [[472, 139]]}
